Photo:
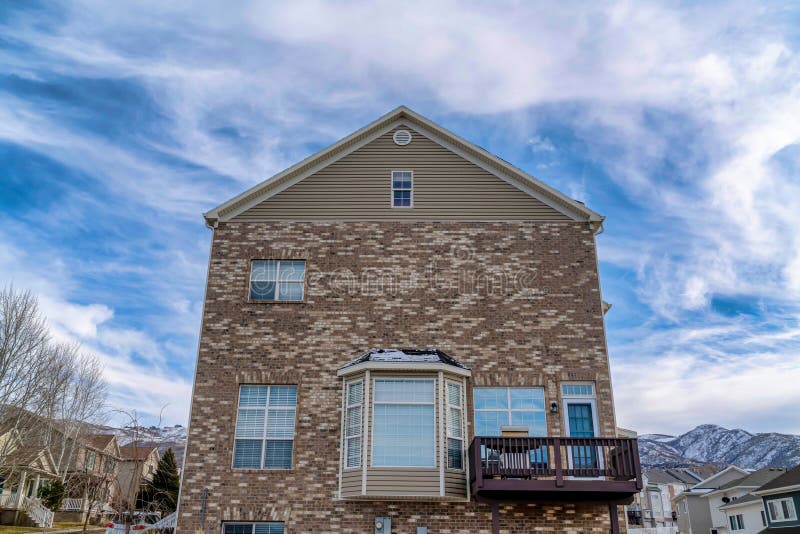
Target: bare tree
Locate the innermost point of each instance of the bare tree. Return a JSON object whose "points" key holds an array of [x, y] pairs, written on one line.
{"points": [[129, 489], [26, 361], [49, 392]]}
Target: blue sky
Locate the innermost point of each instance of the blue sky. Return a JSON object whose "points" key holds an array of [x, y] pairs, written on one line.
{"points": [[120, 125]]}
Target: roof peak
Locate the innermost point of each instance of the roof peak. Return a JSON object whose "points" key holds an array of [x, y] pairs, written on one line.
{"points": [[466, 149]]}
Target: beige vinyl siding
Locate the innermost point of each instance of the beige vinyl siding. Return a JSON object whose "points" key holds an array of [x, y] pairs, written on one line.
{"points": [[358, 187], [351, 483], [383, 481], [455, 484]]}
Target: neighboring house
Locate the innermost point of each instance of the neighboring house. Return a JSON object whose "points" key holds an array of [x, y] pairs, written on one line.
{"points": [[745, 515], [781, 501], [727, 493], [653, 507], [481, 406], [692, 510], [92, 477], [23, 471], [138, 464]]}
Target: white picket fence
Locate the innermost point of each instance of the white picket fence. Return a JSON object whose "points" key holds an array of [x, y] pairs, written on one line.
{"points": [[38, 512]]}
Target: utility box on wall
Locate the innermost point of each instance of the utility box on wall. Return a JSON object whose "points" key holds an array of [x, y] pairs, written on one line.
{"points": [[383, 525], [422, 530]]}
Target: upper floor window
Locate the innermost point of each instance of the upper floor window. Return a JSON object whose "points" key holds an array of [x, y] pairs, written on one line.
{"points": [[402, 189], [253, 528], [272, 280], [91, 458], [781, 510], [498, 407], [404, 428], [265, 427]]}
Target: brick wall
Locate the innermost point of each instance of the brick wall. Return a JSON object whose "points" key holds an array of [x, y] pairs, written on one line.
{"points": [[517, 302]]}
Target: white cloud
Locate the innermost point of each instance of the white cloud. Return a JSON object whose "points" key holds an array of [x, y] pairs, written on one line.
{"points": [[281, 77]]}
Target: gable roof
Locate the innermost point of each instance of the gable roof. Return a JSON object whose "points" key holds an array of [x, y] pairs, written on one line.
{"points": [[789, 479], [710, 482], [100, 441], [403, 116], [755, 479], [137, 452]]}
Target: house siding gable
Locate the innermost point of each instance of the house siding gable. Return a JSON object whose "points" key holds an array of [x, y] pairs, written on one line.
{"points": [[358, 187]]}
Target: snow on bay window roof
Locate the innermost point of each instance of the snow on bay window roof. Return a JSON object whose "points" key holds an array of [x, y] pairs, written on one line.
{"points": [[403, 357]]}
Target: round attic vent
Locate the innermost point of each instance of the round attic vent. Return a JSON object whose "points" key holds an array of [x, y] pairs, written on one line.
{"points": [[402, 137]]}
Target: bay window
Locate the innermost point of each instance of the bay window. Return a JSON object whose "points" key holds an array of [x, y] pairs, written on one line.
{"points": [[455, 429], [404, 427], [353, 423]]}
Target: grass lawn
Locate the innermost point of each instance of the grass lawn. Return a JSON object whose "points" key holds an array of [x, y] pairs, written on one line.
{"points": [[10, 529]]}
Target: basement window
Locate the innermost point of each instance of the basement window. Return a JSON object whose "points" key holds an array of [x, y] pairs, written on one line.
{"points": [[402, 189], [254, 528]]}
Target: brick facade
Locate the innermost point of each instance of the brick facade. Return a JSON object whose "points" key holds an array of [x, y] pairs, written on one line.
{"points": [[517, 302]]}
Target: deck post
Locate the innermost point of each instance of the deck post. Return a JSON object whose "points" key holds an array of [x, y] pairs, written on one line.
{"points": [[495, 517], [612, 513], [557, 461]]}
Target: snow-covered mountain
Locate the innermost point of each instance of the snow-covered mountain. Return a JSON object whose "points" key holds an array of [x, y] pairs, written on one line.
{"points": [[715, 444]]}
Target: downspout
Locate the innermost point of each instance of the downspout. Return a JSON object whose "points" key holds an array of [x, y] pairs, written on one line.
{"points": [[213, 226]]}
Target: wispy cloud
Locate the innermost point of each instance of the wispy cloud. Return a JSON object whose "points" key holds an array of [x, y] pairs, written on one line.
{"points": [[118, 127]]}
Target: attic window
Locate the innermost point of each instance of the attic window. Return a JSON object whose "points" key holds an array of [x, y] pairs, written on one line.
{"points": [[402, 189], [402, 137]]}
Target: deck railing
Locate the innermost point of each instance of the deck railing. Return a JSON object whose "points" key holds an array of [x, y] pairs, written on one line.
{"points": [[554, 457], [72, 505], [9, 500]]}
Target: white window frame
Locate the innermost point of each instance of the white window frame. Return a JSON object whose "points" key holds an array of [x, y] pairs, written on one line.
{"points": [[263, 437], [393, 189], [372, 419], [448, 435], [510, 410], [359, 435], [581, 398], [779, 507], [277, 281]]}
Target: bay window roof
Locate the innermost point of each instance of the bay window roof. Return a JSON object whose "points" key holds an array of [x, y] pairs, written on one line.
{"points": [[405, 359]]}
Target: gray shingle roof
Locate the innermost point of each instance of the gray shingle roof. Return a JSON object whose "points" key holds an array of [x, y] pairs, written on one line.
{"points": [[747, 498], [756, 478], [789, 478], [406, 356]]}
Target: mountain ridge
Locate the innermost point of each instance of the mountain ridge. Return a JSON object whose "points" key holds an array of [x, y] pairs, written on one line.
{"points": [[711, 443]]}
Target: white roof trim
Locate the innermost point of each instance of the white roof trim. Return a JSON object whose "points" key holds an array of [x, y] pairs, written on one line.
{"points": [[774, 491], [403, 366], [397, 117], [700, 485]]}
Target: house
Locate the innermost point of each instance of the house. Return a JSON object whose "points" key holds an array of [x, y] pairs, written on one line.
{"points": [[138, 464], [781, 501], [692, 510], [23, 470], [92, 477], [722, 521], [745, 515], [653, 506], [404, 332]]}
